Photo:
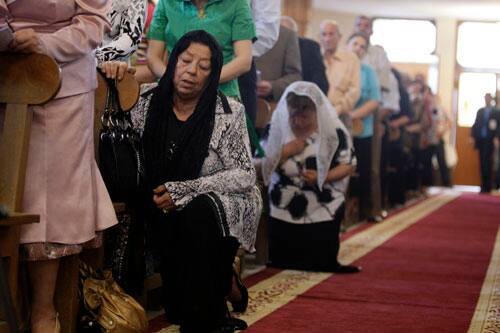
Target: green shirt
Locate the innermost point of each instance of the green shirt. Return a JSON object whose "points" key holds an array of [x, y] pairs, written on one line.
{"points": [[227, 20]]}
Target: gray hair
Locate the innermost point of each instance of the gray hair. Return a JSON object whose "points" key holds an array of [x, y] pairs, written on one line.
{"points": [[329, 22]]}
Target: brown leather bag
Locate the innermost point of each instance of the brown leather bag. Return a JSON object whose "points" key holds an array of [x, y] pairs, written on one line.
{"points": [[113, 309]]}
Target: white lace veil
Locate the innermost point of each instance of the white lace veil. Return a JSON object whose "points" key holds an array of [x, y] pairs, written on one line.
{"points": [[328, 121]]}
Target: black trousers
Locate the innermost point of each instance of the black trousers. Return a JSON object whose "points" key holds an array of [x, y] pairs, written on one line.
{"points": [[427, 167], [196, 267], [497, 177], [248, 91], [310, 247], [486, 161], [444, 171], [363, 185], [396, 173], [414, 176]]}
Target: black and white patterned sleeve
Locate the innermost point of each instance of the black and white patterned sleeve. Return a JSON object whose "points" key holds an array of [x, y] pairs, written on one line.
{"points": [[127, 23], [140, 111], [345, 151], [238, 173]]}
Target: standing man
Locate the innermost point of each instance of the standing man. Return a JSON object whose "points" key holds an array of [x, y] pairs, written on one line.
{"points": [[313, 68], [343, 70], [280, 66], [266, 16], [486, 134]]}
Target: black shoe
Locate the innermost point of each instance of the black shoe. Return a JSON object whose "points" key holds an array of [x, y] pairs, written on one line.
{"points": [[231, 325], [375, 219], [346, 269], [242, 304], [237, 324]]}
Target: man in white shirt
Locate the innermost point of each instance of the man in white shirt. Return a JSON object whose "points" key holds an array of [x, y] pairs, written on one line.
{"points": [[266, 15]]}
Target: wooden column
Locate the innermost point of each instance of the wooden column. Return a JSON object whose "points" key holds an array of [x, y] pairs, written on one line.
{"points": [[300, 10]]}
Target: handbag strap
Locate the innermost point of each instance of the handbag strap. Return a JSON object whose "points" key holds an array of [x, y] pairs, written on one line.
{"points": [[114, 117]]}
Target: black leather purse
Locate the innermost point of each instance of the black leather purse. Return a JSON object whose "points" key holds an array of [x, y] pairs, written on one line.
{"points": [[119, 149]]}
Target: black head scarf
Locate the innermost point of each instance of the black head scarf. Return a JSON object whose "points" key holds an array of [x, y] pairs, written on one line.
{"points": [[192, 144]]}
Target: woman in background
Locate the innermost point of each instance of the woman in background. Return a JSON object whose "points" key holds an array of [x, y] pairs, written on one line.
{"points": [[363, 118]]}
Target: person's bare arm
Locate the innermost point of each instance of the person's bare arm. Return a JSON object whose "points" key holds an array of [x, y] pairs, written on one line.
{"points": [[155, 56], [241, 62], [365, 110], [339, 172], [400, 122], [292, 148]]}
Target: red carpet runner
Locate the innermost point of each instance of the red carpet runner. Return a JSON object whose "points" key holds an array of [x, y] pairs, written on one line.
{"points": [[426, 278]]}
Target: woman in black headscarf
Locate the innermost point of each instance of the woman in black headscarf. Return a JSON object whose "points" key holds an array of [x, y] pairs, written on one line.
{"points": [[202, 182]]}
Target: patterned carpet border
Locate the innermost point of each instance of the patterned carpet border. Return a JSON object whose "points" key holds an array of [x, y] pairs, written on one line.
{"points": [[487, 315]]}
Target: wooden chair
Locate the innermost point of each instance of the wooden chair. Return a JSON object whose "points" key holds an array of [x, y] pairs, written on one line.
{"points": [[66, 298], [24, 80], [264, 113], [128, 89]]}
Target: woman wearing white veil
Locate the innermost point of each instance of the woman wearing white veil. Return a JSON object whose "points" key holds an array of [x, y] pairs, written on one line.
{"points": [[309, 158]]}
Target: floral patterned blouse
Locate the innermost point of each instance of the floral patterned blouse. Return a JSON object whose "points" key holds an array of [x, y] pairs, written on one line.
{"points": [[127, 19]]}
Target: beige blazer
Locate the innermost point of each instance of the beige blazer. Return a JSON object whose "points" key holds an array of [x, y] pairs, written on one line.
{"points": [[282, 64]]}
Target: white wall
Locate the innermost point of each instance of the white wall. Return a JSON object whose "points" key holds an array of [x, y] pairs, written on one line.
{"points": [[446, 50]]}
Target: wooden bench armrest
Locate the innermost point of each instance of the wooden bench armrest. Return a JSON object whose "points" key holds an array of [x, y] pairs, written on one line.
{"points": [[19, 219], [4, 328], [152, 282], [119, 207]]}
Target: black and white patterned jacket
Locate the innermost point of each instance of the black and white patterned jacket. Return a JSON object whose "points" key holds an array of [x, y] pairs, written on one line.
{"points": [[227, 175]]}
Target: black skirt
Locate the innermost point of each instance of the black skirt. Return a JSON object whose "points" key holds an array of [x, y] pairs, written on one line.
{"points": [[311, 247], [196, 266]]}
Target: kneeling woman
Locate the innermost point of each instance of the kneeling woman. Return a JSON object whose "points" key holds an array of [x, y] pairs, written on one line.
{"points": [[309, 158], [202, 181]]}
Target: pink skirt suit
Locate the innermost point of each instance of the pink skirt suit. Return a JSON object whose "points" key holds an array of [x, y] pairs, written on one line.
{"points": [[63, 183]]}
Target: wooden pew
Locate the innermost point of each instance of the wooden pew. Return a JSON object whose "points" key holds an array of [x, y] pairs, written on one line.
{"points": [[66, 298], [24, 80]]}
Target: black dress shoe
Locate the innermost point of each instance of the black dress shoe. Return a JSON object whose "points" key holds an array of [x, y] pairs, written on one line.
{"points": [[346, 269], [242, 304], [237, 324], [375, 219], [231, 325], [222, 329]]}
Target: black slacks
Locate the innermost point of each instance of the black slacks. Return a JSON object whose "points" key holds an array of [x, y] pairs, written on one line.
{"points": [[486, 161], [396, 173], [196, 267], [363, 185], [248, 91]]}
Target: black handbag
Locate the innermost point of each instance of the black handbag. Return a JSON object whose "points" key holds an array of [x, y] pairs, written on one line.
{"points": [[119, 149]]}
